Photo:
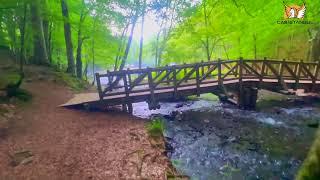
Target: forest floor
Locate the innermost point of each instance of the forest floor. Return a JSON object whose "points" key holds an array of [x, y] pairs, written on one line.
{"points": [[65, 143]]}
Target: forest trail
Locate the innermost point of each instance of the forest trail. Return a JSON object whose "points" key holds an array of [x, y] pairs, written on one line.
{"points": [[75, 144]]}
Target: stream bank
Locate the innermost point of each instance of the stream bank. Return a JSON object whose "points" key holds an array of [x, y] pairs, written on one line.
{"points": [[209, 140]]}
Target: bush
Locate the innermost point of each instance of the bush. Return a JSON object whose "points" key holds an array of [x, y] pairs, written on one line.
{"points": [[155, 128]]}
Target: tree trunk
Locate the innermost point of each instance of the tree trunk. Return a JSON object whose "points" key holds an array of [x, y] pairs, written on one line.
{"points": [[79, 60], [126, 53], [207, 45], [141, 38], [92, 49], [79, 49], [40, 51], [315, 47], [68, 39], [22, 32], [50, 46], [124, 59], [157, 48], [255, 46], [120, 48]]}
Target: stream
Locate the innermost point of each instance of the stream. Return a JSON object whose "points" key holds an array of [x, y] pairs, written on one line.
{"points": [[209, 140]]}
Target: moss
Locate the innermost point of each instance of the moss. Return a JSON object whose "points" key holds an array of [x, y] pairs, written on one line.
{"points": [[208, 97], [155, 128], [71, 81], [310, 169]]}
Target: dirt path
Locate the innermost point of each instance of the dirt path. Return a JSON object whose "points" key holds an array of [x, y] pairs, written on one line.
{"points": [[75, 144]]}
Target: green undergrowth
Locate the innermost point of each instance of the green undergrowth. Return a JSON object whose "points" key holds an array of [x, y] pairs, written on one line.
{"points": [[310, 169], [8, 77], [155, 128], [71, 81]]}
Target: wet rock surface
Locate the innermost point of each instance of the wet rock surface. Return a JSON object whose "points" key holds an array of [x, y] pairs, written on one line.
{"points": [[207, 140]]}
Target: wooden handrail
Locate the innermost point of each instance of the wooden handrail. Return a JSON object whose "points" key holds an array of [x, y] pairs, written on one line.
{"points": [[177, 76]]}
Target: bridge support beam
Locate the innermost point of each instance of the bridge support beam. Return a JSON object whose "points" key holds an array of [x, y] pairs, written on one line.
{"points": [[247, 98]]}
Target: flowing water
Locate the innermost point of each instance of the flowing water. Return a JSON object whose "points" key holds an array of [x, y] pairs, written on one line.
{"points": [[209, 140]]}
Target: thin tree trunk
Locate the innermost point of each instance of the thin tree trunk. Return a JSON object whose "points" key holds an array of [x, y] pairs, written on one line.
{"points": [[22, 32], [79, 49], [141, 37], [126, 53], [255, 45], [157, 48], [68, 39], [40, 51], [50, 48], [92, 50], [120, 48], [124, 59], [207, 45], [225, 50]]}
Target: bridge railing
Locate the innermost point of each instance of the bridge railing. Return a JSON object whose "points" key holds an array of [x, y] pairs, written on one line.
{"points": [[160, 79]]}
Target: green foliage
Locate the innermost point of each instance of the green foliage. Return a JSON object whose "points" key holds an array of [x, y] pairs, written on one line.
{"points": [[232, 28], [155, 128], [310, 169]]}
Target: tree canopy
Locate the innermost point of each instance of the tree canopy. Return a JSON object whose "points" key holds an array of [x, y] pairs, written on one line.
{"points": [[83, 36]]}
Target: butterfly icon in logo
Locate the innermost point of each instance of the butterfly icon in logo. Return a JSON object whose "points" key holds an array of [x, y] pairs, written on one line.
{"points": [[294, 11]]}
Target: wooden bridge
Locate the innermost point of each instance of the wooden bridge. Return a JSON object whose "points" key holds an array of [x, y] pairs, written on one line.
{"points": [[236, 81]]}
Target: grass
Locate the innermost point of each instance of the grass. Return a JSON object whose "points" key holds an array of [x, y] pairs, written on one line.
{"points": [[155, 128], [71, 81]]}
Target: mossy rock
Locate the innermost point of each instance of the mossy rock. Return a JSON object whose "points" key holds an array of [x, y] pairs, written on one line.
{"points": [[310, 169]]}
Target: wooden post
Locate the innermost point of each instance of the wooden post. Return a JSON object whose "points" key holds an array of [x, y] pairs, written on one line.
{"points": [[125, 82], [185, 72], [262, 73], [264, 62], [240, 70], [219, 72], [298, 69], [240, 93], [198, 79], [109, 78], [129, 77], [281, 69], [202, 68], [151, 87], [316, 73], [168, 71], [175, 82], [130, 108], [99, 86]]}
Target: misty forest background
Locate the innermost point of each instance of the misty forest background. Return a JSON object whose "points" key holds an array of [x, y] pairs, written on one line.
{"points": [[85, 36]]}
